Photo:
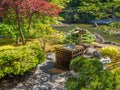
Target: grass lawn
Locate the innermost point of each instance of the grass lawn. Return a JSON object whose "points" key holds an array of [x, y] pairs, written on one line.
{"points": [[89, 27]]}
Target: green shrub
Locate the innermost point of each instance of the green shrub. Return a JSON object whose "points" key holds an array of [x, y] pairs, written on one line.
{"points": [[57, 38], [18, 60], [6, 47], [117, 78], [86, 63], [90, 76], [73, 38], [7, 30], [111, 26], [111, 52], [46, 34], [88, 38]]}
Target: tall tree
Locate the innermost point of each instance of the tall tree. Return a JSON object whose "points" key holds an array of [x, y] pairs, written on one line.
{"points": [[21, 12]]}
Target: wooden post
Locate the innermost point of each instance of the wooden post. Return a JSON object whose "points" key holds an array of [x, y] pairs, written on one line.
{"points": [[80, 31], [80, 39]]}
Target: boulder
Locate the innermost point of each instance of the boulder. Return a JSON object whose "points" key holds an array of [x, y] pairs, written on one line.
{"points": [[97, 54], [92, 52], [95, 25], [89, 52], [98, 38]]}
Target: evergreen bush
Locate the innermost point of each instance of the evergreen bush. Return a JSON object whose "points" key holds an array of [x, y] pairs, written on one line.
{"points": [[73, 38], [20, 59], [90, 76], [112, 52]]}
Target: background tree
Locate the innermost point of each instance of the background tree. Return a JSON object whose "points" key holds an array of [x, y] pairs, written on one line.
{"points": [[86, 10]]}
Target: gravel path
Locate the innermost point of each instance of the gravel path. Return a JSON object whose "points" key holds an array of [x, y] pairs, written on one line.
{"points": [[38, 79]]}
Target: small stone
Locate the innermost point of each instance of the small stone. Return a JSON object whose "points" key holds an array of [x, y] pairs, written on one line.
{"points": [[44, 79], [43, 87], [6, 84], [20, 85], [60, 80], [34, 87], [4, 81], [35, 82], [59, 88], [15, 89], [30, 88], [55, 85], [38, 76]]}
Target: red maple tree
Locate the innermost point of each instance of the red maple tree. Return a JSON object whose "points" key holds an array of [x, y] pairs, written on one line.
{"points": [[23, 9]]}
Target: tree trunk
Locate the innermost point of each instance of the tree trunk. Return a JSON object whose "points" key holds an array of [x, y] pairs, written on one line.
{"points": [[80, 39], [17, 40], [43, 43], [19, 27], [22, 36], [29, 23]]}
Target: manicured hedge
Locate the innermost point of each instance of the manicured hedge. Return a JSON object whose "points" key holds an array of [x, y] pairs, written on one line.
{"points": [[20, 59]]}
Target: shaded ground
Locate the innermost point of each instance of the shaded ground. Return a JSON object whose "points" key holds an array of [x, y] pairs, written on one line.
{"points": [[38, 79]]}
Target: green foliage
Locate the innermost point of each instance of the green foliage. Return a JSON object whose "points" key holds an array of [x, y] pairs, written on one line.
{"points": [[117, 79], [40, 30], [112, 28], [92, 29], [21, 15], [86, 10], [15, 61], [6, 47], [47, 33], [90, 76], [115, 25], [88, 38], [111, 52], [73, 38], [85, 63], [57, 38], [60, 3], [6, 30], [70, 38]]}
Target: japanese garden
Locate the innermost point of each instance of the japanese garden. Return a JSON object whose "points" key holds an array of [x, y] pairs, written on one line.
{"points": [[59, 44]]}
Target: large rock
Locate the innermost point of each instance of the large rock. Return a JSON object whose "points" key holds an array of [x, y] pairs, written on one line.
{"points": [[92, 52], [95, 25], [98, 38], [89, 52]]}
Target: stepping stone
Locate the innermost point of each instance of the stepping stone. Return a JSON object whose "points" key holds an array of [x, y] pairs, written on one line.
{"points": [[56, 71]]}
